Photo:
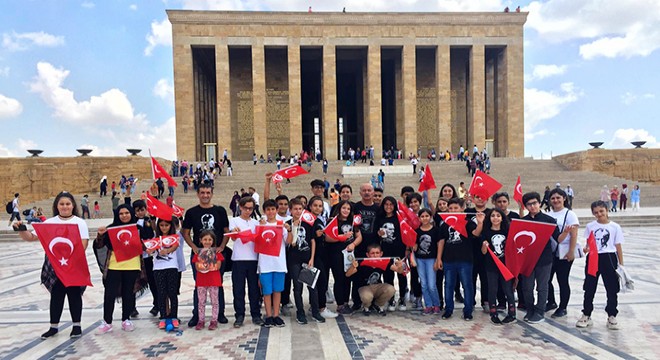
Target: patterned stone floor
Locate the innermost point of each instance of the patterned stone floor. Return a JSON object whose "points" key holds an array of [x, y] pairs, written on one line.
{"points": [[24, 315]]}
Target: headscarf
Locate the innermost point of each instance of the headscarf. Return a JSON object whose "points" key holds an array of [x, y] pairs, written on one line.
{"points": [[117, 222]]}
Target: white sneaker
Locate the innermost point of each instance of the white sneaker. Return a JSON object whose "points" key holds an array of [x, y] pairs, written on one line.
{"points": [[329, 297], [612, 323], [328, 314], [104, 328], [391, 307], [585, 321], [402, 305], [127, 325]]}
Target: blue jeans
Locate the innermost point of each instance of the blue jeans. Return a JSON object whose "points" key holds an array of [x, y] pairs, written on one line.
{"points": [[461, 271], [427, 278]]}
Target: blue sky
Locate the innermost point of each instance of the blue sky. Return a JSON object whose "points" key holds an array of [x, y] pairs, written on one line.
{"points": [[98, 74]]}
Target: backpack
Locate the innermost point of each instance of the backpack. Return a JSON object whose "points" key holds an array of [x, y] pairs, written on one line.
{"points": [[10, 207], [26, 212]]}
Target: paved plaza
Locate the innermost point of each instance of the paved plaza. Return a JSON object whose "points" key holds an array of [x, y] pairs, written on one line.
{"points": [[24, 316]]}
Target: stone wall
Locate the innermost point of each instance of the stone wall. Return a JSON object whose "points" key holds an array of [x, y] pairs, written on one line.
{"points": [[39, 178], [635, 164]]}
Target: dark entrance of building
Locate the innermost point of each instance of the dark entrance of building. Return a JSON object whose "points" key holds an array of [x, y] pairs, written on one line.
{"points": [[351, 79]]}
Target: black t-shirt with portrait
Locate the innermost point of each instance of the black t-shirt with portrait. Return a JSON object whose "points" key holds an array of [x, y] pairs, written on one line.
{"points": [[368, 226], [391, 243], [427, 243], [343, 227], [198, 219], [457, 247], [474, 240], [367, 275], [300, 251], [496, 242]]}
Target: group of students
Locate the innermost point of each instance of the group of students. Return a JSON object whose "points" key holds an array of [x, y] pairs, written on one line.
{"points": [[366, 231]]}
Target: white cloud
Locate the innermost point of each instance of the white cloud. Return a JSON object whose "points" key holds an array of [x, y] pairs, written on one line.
{"points": [[5, 152], [164, 90], [357, 5], [599, 132], [111, 108], [628, 98], [160, 35], [23, 144], [623, 137], [88, 5], [9, 107], [133, 7], [541, 105], [22, 41], [613, 28], [531, 136], [543, 71], [4, 71]]}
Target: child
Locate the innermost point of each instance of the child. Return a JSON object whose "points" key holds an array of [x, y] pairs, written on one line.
{"points": [[302, 249], [390, 232], [207, 262], [97, 210], [428, 261], [609, 238], [272, 270], [414, 202], [494, 231], [321, 261], [166, 274]]}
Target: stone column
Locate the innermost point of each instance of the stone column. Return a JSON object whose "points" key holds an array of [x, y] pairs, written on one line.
{"points": [[373, 124], [443, 84], [329, 121], [184, 101], [409, 100], [223, 99], [477, 98], [259, 97], [295, 100], [515, 131]]}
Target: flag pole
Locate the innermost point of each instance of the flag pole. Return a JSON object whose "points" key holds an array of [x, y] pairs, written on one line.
{"points": [[151, 161]]}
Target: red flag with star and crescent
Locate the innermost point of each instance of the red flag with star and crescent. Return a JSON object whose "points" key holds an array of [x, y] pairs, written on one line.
{"points": [[158, 209], [405, 214], [65, 252], [427, 182], [245, 235], [288, 173], [592, 256], [125, 240], [506, 273], [525, 243], [376, 263], [308, 217], [408, 234], [177, 210], [483, 185], [268, 240], [517, 191], [456, 221], [332, 230], [159, 172]]}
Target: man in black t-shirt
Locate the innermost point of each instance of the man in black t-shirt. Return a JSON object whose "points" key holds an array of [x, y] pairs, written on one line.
{"points": [[205, 216], [364, 212]]}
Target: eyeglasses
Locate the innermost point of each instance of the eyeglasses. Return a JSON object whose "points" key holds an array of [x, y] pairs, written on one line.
{"points": [[532, 203], [318, 187], [247, 208]]}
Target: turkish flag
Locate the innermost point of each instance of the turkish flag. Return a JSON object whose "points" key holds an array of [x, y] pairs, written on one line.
{"points": [[288, 173], [308, 217], [125, 241], [159, 172], [592, 257], [268, 240], [427, 182], [178, 211], [357, 220], [408, 215], [332, 230], [483, 185], [153, 244], [506, 274], [517, 191], [456, 221], [158, 209], [408, 234], [169, 241], [376, 263], [65, 252], [525, 243], [245, 235]]}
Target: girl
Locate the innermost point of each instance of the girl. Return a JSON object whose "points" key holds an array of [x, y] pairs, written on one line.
{"points": [[414, 202], [118, 276], [334, 247], [428, 261], [65, 211], [321, 258], [441, 207], [166, 274], [634, 198], [623, 198], [568, 224], [609, 238], [390, 232], [493, 234], [207, 262], [448, 191], [97, 210]]}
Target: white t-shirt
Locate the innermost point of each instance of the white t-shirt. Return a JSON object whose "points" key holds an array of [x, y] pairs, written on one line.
{"points": [[255, 196], [14, 205], [169, 261], [82, 225], [607, 235], [269, 263], [571, 219], [243, 252]]}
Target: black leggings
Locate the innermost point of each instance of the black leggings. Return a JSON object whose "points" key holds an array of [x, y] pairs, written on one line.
{"points": [[342, 284], [57, 294], [388, 278], [149, 269], [123, 282], [495, 282], [322, 283], [607, 265], [167, 281], [415, 286], [562, 268]]}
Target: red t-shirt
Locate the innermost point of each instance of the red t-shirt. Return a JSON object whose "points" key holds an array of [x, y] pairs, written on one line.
{"points": [[208, 274]]}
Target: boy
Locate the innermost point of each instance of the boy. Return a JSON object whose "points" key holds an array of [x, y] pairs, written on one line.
{"points": [[374, 294], [302, 248], [272, 270]]}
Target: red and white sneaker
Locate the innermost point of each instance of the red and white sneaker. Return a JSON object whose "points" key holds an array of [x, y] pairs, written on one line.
{"points": [[104, 328]]}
